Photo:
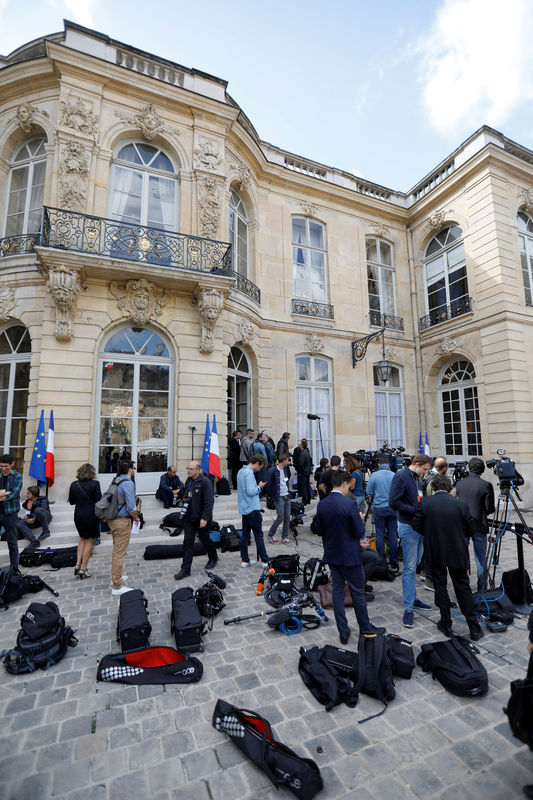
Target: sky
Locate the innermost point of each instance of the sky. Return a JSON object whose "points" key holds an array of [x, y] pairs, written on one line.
{"points": [[384, 89]]}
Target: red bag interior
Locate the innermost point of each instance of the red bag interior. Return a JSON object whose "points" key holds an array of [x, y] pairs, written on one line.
{"points": [[154, 657], [260, 726]]}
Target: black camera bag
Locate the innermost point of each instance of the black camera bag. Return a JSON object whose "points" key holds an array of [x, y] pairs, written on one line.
{"points": [[57, 557], [173, 520], [401, 655], [374, 671], [223, 487], [151, 666], [344, 661], [253, 735], [230, 541], [13, 585], [519, 709], [315, 574], [42, 641], [133, 628], [210, 600], [454, 664], [153, 552], [328, 684], [297, 508], [512, 581], [185, 621], [495, 604], [286, 564]]}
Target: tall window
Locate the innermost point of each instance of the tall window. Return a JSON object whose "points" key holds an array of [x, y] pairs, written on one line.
{"points": [[388, 401], [144, 187], [314, 395], [380, 271], [460, 428], [239, 392], [309, 259], [446, 283], [15, 354], [525, 237], [238, 234], [26, 185]]}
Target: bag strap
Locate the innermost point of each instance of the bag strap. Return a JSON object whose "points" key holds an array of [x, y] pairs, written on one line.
{"points": [[377, 657]]}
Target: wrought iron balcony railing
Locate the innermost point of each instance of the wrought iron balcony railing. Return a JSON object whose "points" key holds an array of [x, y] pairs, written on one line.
{"points": [[17, 245], [386, 321], [308, 308], [242, 284], [463, 305], [83, 233]]}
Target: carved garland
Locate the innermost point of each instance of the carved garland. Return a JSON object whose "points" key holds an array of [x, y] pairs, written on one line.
{"points": [[139, 299], [73, 176], [7, 301]]}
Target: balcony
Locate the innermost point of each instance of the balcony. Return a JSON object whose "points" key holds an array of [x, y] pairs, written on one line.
{"points": [[245, 286], [386, 321], [82, 233], [308, 308], [18, 245], [463, 305]]}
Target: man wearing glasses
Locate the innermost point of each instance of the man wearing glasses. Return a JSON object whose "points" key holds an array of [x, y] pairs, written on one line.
{"points": [[120, 526], [198, 495]]}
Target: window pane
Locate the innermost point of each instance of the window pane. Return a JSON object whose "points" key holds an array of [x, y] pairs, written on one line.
{"points": [[117, 376], [20, 403], [118, 343], [316, 235], [303, 369], [321, 369], [4, 376], [153, 404], [371, 250], [152, 460], [22, 375], [115, 430], [154, 376], [117, 403], [385, 253], [152, 432], [299, 235]]}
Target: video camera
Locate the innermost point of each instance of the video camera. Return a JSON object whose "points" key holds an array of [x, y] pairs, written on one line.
{"points": [[460, 471], [505, 470]]}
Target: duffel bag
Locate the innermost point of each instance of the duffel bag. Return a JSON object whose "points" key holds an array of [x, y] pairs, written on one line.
{"points": [[153, 552], [133, 628], [186, 622], [454, 664], [495, 604], [151, 666], [519, 709]]}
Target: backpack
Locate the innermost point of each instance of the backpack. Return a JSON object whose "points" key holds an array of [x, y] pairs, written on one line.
{"points": [[230, 539], [374, 671], [42, 641], [13, 585], [327, 684], [223, 486], [133, 628], [454, 664], [107, 507], [519, 709], [286, 564], [401, 655], [512, 581]]}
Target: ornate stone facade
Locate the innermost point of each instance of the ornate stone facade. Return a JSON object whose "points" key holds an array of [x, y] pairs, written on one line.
{"points": [[245, 331], [7, 302], [207, 157], [210, 304], [447, 346], [73, 176], [378, 229], [209, 198], [147, 120], [314, 345], [437, 219], [308, 208], [78, 116], [244, 175], [27, 115], [140, 300], [64, 286]]}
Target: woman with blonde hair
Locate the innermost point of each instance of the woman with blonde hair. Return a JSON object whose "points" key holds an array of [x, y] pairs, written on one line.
{"points": [[83, 494]]}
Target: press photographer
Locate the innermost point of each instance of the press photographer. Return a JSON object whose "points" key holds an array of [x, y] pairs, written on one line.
{"points": [[478, 495]]}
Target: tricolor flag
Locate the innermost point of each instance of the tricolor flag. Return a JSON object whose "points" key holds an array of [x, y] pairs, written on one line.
{"points": [[426, 447], [38, 457], [205, 453], [214, 454], [49, 465], [420, 445]]}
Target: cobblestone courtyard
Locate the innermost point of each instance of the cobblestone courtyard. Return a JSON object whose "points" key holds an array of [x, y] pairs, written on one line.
{"points": [[66, 736]]}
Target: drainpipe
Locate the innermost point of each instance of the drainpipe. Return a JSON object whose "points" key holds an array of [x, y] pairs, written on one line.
{"points": [[415, 314]]}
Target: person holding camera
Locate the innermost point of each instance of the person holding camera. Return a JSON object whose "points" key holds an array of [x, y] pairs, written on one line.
{"points": [[199, 497], [478, 494]]}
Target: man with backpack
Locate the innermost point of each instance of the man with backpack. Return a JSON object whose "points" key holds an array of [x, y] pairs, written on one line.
{"points": [[120, 526], [10, 486]]}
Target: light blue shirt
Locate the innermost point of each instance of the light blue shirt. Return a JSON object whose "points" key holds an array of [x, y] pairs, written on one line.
{"points": [[379, 486], [125, 496], [247, 491]]}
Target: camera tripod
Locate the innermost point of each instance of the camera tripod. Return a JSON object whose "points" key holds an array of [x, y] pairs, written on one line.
{"points": [[498, 526]]}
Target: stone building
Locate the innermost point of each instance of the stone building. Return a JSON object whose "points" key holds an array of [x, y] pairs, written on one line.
{"points": [[125, 177]]}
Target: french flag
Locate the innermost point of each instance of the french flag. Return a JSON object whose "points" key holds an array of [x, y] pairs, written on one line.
{"points": [[49, 464], [214, 453]]}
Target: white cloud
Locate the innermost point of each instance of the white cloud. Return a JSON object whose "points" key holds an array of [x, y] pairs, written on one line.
{"points": [[477, 63], [81, 11]]}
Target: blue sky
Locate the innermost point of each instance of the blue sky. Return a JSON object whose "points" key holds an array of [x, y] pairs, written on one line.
{"points": [[384, 89]]}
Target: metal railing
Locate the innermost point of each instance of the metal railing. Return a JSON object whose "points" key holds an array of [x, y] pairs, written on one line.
{"points": [[17, 245], [463, 305], [308, 308], [84, 233], [386, 320], [244, 285]]}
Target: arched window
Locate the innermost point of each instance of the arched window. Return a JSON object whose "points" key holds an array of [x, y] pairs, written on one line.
{"points": [[26, 186], [309, 259], [525, 237], [239, 391], [314, 395], [381, 278], [134, 409], [446, 283], [388, 401], [15, 354], [460, 427], [238, 234], [144, 187]]}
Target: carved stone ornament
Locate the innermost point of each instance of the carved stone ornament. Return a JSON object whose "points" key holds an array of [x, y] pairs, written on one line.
{"points": [[78, 116], [210, 304], [64, 286], [25, 116], [206, 156], [437, 219], [148, 120], [314, 345], [389, 354], [208, 207], [447, 346], [378, 229], [246, 331], [244, 175], [308, 208], [526, 195], [7, 301], [73, 176], [139, 299]]}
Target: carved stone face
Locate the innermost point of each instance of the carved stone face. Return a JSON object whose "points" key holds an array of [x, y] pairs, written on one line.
{"points": [[62, 294]]}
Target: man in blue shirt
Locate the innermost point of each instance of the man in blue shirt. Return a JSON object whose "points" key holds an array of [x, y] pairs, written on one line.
{"points": [[121, 525], [385, 520], [248, 492]]}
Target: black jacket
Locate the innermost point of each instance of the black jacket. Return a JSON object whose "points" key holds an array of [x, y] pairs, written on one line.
{"points": [[282, 448], [305, 464], [199, 492], [478, 494], [445, 522], [234, 452], [403, 496]]}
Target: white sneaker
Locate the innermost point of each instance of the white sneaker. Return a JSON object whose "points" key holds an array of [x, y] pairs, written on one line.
{"points": [[124, 579], [247, 563], [265, 564], [122, 590]]}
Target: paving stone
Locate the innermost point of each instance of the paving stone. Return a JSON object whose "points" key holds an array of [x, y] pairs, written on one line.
{"points": [[98, 791], [166, 775], [175, 744], [134, 784], [27, 719], [421, 780], [200, 764], [109, 764], [473, 755], [17, 766], [49, 756], [71, 776], [145, 754], [19, 704], [392, 787], [30, 788]]}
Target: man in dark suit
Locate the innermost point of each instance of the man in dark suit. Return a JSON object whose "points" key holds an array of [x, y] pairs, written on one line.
{"points": [[339, 523], [445, 523]]}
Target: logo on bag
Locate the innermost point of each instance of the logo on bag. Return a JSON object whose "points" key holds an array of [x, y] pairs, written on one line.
{"points": [[230, 724], [29, 616], [186, 671], [288, 779]]}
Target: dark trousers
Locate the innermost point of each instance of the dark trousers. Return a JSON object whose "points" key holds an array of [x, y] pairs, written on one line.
{"points": [[304, 488], [26, 530], [166, 495], [9, 523], [355, 578], [253, 522], [386, 523], [234, 470], [190, 529], [42, 520], [461, 586], [370, 559]]}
